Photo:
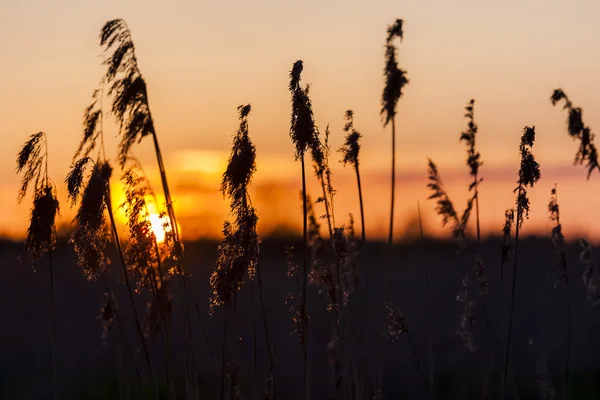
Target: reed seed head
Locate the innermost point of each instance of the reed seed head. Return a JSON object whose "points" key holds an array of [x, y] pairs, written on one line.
{"points": [[127, 86], [302, 125], [469, 137], [576, 128], [41, 234], [529, 174], [351, 147], [90, 236], [396, 322], [395, 78]]}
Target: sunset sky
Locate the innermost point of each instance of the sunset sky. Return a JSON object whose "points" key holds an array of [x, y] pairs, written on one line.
{"points": [[201, 59]]}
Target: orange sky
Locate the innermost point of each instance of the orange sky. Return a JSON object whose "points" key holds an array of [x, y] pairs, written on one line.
{"points": [[203, 59]]}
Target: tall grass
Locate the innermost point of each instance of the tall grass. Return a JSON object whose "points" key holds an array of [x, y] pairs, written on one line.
{"points": [[395, 80], [529, 175], [32, 160], [473, 159], [561, 277], [90, 235], [350, 151], [303, 135]]}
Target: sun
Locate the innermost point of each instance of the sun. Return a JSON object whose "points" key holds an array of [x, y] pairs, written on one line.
{"points": [[160, 226]]}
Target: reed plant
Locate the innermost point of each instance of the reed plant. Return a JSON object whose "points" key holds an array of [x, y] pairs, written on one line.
{"points": [[350, 151], [473, 159], [395, 80], [561, 277], [303, 135], [32, 161], [529, 174], [239, 250], [91, 234]]}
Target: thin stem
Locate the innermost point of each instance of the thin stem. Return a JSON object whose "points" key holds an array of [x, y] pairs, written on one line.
{"points": [[223, 346], [254, 344], [391, 234], [124, 336], [132, 300], [328, 210], [477, 209], [412, 345], [304, 280], [566, 392], [512, 301], [362, 210], [428, 303], [53, 328], [266, 326]]}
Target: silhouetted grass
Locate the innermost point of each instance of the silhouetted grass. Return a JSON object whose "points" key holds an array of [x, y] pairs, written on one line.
{"points": [[587, 151], [32, 160], [560, 276], [350, 150], [395, 80], [473, 159], [304, 136], [529, 174]]}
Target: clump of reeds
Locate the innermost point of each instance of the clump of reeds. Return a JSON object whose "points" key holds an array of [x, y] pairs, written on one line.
{"points": [[560, 275], [303, 135], [445, 208], [32, 160], [395, 80], [350, 151], [473, 158], [591, 275], [529, 174], [320, 151], [576, 128]]}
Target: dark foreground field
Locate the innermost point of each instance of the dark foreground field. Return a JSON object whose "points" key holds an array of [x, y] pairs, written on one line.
{"points": [[89, 369]]}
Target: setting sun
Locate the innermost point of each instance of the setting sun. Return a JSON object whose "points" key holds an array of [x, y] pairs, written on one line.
{"points": [[160, 226]]}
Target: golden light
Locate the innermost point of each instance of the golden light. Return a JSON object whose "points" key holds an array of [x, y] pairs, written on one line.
{"points": [[160, 226]]}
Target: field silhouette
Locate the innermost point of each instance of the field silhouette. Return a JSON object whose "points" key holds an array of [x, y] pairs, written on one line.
{"points": [[133, 312], [90, 369]]}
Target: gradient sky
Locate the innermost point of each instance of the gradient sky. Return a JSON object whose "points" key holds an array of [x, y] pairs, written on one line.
{"points": [[201, 59]]}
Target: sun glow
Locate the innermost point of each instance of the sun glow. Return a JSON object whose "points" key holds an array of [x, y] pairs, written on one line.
{"points": [[160, 226]]}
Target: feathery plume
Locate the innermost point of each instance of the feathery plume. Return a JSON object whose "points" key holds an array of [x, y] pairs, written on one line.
{"points": [[127, 86], [576, 128], [395, 80], [350, 151], [445, 208], [529, 174], [238, 252], [473, 158], [90, 235]]}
